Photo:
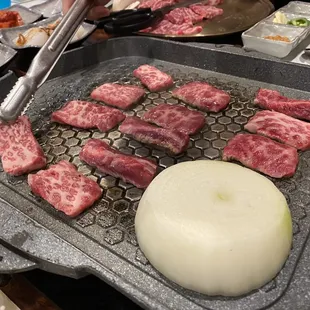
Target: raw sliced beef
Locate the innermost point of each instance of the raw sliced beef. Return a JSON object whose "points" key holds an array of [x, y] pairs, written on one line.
{"points": [[203, 96], [183, 15], [180, 20], [282, 128], [206, 11], [265, 95], [174, 141], [175, 117], [120, 96], [166, 27], [273, 100], [19, 150], [86, 115], [132, 169], [262, 154], [65, 188], [156, 4], [154, 79]]}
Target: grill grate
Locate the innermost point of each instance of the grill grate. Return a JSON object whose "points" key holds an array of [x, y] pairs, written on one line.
{"points": [[111, 221]]}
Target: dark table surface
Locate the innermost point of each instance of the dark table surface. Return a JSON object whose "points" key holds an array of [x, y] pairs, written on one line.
{"points": [[89, 293]]}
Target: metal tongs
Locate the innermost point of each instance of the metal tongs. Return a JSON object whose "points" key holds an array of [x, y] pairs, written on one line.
{"points": [[21, 96]]}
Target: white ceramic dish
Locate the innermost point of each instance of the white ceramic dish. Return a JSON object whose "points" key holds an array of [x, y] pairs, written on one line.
{"points": [[48, 8], [254, 38], [9, 36]]}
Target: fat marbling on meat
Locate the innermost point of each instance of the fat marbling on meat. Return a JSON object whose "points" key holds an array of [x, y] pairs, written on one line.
{"points": [[262, 154], [19, 150], [202, 96], [120, 96], [273, 100], [180, 16], [174, 141], [156, 4], [132, 169], [282, 128], [154, 79], [166, 27], [206, 11], [87, 115], [65, 188], [175, 117]]}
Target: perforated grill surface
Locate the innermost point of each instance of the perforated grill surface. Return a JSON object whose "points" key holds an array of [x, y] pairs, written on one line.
{"points": [[110, 222]]}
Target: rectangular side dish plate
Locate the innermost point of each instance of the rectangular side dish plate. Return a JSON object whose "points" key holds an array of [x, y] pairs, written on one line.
{"points": [[8, 36], [297, 7], [253, 39], [102, 240]]}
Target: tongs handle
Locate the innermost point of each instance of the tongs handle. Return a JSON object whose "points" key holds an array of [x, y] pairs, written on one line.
{"points": [[48, 56], [44, 61]]}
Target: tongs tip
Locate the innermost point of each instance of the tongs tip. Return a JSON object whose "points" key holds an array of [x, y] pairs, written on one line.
{"points": [[17, 101], [5, 120]]}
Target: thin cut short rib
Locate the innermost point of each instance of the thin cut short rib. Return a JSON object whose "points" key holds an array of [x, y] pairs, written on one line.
{"points": [[19, 150], [166, 27], [176, 117], [202, 96], [120, 96], [131, 169], [154, 79], [282, 128], [174, 141], [262, 154], [156, 4], [87, 115], [206, 11], [65, 188], [273, 100], [180, 16]]}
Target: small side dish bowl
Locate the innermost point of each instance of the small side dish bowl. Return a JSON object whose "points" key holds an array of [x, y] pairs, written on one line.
{"points": [[35, 35]]}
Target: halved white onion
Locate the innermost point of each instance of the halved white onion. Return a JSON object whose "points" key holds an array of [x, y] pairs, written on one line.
{"points": [[214, 227]]}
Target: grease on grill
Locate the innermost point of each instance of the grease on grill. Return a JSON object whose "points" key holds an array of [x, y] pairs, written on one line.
{"points": [[110, 222]]}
